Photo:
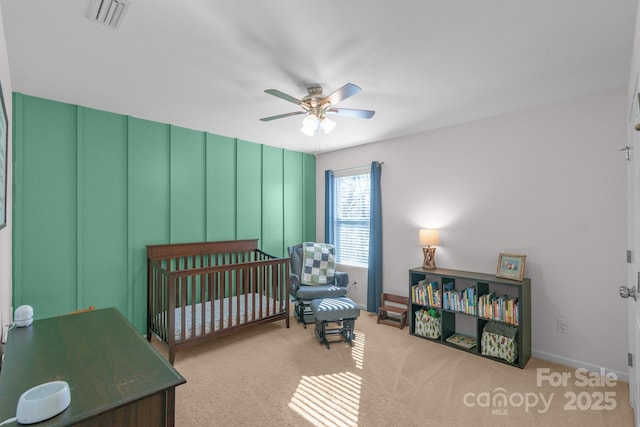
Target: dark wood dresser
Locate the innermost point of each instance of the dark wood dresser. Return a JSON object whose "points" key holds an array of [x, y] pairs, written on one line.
{"points": [[115, 377]]}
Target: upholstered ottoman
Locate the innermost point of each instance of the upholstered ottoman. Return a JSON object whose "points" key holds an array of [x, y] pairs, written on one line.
{"points": [[339, 310], [306, 294]]}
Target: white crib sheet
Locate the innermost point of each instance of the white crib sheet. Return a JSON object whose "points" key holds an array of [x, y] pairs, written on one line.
{"points": [[227, 304]]}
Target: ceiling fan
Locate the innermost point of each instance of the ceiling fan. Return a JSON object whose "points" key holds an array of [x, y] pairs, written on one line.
{"points": [[317, 106]]}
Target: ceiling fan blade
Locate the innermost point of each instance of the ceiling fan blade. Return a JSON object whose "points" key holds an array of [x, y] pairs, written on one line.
{"points": [[341, 94], [282, 95], [348, 112], [280, 116]]}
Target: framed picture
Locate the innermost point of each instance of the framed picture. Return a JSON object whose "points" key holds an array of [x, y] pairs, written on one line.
{"points": [[511, 266], [4, 145]]}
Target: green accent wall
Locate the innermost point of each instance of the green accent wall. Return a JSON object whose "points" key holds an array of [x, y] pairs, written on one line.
{"points": [[309, 198], [293, 197], [248, 190], [272, 200], [92, 189], [221, 188]]}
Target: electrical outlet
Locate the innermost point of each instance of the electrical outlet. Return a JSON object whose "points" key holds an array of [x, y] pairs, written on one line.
{"points": [[355, 283], [563, 326]]}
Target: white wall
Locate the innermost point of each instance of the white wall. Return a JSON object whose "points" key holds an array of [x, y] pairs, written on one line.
{"points": [[5, 233], [549, 183]]}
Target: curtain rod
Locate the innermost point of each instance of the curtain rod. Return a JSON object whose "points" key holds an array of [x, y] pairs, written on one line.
{"points": [[354, 167]]}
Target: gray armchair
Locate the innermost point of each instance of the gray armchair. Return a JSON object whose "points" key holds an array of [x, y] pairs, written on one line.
{"points": [[302, 294]]}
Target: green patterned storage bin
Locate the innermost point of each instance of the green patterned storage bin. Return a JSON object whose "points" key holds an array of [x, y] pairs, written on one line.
{"points": [[427, 325], [500, 341]]}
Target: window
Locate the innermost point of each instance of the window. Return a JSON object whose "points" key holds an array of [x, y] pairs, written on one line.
{"points": [[351, 218]]}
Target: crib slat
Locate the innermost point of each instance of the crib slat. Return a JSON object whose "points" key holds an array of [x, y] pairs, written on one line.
{"points": [[260, 290], [204, 279], [230, 291], [213, 291], [238, 293], [183, 309], [190, 284]]}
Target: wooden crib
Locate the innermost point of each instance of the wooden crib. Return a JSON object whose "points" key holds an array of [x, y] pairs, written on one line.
{"points": [[199, 291]]}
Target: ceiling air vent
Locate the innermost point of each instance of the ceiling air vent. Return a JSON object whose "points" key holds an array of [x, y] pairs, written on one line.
{"points": [[109, 13]]}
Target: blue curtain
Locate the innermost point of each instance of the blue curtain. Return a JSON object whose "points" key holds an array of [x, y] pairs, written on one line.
{"points": [[329, 186], [374, 286]]}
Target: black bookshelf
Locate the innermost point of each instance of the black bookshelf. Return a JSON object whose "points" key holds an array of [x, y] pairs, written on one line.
{"points": [[466, 319]]}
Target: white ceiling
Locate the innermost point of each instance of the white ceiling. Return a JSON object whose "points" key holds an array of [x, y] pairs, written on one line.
{"points": [[204, 64]]}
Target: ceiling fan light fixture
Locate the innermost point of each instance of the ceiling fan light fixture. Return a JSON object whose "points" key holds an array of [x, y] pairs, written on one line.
{"points": [[309, 124], [316, 106], [308, 131], [327, 125]]}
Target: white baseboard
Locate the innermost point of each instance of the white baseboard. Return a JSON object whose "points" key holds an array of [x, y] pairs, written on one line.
{"points": [[622, 376]]}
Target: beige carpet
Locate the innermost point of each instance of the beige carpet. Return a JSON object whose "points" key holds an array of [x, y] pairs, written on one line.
{"points": [[272, 376]]}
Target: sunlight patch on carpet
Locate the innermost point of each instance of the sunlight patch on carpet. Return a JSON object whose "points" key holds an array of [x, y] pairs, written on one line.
{"points": [[328, 400], [357, 351]]}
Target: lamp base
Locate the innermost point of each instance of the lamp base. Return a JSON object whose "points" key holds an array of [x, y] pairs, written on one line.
{"points": [[429, 258]]}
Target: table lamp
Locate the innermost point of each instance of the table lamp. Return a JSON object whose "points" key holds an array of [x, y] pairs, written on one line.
{"points": [[427, 238]]}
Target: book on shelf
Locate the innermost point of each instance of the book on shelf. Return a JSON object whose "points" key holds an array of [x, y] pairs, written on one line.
{"points": [[464, 301], [426, 293], [502, 308], [462, 341]]}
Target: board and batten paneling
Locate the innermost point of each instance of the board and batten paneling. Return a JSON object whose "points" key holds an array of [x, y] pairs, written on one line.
{"points": [[221, 188], [309, 197], [102, 200], [93, 188], [272, 201], [188, 180], [248, 190], [149, 208], [45, 210], [293, 197]]}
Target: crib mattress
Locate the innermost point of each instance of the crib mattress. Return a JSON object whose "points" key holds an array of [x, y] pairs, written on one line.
{"points": [[228, 304]]}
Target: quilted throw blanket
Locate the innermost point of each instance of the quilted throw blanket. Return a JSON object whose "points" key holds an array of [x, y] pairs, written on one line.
{"points": [[318, 263]]}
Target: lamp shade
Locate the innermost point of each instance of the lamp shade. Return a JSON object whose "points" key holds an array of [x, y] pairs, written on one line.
{"points": [[429, 237], [309, 124], [327, 125]]}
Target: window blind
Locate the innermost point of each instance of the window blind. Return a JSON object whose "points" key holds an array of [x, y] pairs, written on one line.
{"points": [[352, 206]]}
